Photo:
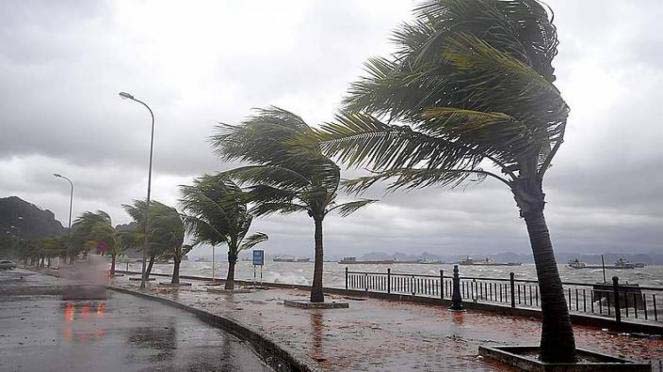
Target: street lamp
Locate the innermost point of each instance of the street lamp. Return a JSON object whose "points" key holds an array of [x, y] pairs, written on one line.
{"points": [[125, 95], [71, 204], [71, 196]]}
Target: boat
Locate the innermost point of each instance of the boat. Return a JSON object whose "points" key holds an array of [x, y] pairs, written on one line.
{"points": [[290, 259], [468, 261], [353, 260], [623, 264], [620, 264], [283, 259], [429, 262], [577, 264]]}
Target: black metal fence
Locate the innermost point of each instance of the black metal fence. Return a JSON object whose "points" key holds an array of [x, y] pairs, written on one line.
{"points": [[613, 300]]}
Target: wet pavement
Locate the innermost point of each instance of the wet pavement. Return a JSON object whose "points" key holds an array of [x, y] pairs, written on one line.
{"points": [[122, 333], [381, 335]]}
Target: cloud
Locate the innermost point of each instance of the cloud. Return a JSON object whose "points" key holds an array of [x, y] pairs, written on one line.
{"points": [[63, 63]]}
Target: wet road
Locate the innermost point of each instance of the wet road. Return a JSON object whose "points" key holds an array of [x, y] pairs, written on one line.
{"points": [[122, 333]]}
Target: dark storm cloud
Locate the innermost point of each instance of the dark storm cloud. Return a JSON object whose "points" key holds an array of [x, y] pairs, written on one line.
{"points": [[62, 64]]}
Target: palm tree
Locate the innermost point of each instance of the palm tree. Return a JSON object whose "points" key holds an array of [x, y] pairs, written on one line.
{"points": [[286, 174], [92, 230], [473, 83], [166, 233], [216, 213]]}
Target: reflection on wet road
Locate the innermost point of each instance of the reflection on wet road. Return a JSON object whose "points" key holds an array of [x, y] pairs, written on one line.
{"points": [[123, 333]]}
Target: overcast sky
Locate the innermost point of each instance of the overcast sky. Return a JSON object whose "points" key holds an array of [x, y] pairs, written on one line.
{"points": [[197, 63]]}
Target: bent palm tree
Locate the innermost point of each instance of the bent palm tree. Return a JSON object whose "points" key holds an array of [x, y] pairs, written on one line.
{"points": [[166, 233], [287, 175], [473, 81], [216, 213]]}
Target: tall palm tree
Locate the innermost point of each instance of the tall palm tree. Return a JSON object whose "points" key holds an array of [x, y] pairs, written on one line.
{"points": [[472, 82], [166, 233], [285, 174], [215, 213]]}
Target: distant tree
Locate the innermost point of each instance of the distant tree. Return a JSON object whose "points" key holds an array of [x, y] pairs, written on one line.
{"points": [[95, 231], [53, 247], [473, 82], [215, 213], [166, 232], [286, 175]]}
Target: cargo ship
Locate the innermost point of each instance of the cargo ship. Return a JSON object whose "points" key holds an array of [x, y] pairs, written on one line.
{"points": [[290, 259], [486, 262], [353, 260], [620, 264]]}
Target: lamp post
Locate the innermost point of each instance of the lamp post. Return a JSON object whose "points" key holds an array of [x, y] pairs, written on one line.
{"points": [[71, 196], [125, 95], [71, 204]]}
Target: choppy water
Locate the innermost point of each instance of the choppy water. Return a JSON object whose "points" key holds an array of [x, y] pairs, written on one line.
{"points": [[334, 273]]}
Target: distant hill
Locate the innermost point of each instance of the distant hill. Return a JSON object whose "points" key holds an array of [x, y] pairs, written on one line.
{"points": [[562, 257], [27, 221]]}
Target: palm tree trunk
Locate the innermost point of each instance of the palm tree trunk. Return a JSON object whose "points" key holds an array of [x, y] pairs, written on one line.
{"points": [[557, 340], [112, 269], [230, 279], [149, 268], [176, 270], [316, 290]]}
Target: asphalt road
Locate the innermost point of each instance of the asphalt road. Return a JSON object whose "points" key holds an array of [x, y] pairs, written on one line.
{"points": [[41, 332]]}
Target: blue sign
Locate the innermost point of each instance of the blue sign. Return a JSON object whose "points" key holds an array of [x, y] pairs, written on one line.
{"points": [[258, 257]]}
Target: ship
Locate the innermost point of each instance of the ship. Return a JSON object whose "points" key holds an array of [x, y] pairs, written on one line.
{"points": [[577, 264], [620, 264], [290, 259], [429, 261], [486, 262], [353, 260]]}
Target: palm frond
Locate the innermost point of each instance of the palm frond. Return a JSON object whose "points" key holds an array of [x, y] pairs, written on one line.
{"points": [[273, 175], [252, 240], [348, 208], [484, 56], [267, 208], [412, 178], [360, 139]]}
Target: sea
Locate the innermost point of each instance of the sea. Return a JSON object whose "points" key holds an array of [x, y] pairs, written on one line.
{"points": [[334, 273]]}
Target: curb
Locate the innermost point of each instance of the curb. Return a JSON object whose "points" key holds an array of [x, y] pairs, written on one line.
{"points": [[274, 355]]}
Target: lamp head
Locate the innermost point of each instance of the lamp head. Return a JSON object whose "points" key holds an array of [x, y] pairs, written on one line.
{"points": [[126, 95], [57, 175]]}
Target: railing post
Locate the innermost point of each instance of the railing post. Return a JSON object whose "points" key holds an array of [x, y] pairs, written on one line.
{"points": [[513, 289], [456, 300], [346, 278], [615, 290], [366, 281], [388, 280], [441, 284]]}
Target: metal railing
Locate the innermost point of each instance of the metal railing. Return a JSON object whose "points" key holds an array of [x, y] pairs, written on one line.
{"points": [[612, 300]]}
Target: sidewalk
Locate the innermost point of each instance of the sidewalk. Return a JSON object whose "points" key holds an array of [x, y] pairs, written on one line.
{"points": [[383, 335]]}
